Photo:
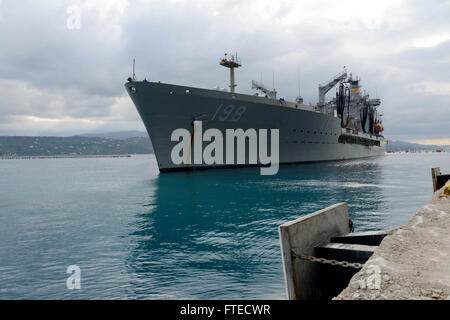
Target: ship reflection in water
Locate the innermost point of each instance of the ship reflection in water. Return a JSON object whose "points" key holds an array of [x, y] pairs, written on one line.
{"points": [[214, 233]]}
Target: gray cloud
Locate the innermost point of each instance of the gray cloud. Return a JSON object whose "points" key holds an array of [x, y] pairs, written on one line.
{"points": [[56, 80]]}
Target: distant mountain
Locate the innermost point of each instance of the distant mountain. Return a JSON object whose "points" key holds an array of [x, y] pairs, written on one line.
{"points": [[76, 145], [397, 145], [120, 142], [116, 135]]}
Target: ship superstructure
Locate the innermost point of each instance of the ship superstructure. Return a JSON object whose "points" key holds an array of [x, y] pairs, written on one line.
{"points": [[356, 109]]}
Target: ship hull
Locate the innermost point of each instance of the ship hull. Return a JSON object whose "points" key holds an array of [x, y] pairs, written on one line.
{"points": [[304, 135]]}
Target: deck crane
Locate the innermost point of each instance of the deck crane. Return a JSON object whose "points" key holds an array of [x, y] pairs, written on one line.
{"points": [[272, 94], [324, 88]]}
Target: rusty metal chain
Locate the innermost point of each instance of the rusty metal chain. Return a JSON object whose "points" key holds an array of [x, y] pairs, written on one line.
{"points": [[327, 261]]}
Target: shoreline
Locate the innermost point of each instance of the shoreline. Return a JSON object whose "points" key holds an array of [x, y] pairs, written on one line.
{"points": [[64, 157]]}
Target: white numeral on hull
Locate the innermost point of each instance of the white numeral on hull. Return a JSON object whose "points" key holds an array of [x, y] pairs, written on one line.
{"points": [[229, 113]]}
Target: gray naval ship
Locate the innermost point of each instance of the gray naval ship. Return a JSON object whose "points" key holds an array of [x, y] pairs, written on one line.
{"points": [[346, 127]]}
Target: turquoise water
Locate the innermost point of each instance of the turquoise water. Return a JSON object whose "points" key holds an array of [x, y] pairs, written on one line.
{"points": [[212, 234]]}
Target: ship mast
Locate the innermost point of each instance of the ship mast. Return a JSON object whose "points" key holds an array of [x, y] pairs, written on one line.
{"points": [[231, 63]]}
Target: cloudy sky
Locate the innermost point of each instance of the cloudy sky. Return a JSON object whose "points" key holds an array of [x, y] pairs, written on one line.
{"points": [[62, 76]]}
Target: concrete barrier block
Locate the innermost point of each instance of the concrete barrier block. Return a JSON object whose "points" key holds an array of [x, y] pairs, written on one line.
{"points": [[302, 236]]}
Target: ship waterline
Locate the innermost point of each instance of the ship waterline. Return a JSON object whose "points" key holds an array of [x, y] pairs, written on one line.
{"points": [[305, 135]]}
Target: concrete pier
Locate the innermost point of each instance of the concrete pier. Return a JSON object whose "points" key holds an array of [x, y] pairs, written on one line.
{"points": [[411, 263]]}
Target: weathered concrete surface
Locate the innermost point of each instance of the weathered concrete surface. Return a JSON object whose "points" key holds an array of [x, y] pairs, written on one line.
{"points": [[411, 263]]}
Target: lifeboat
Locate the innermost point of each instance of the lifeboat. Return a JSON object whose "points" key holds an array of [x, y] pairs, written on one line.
{"points": [[379, 127]]}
